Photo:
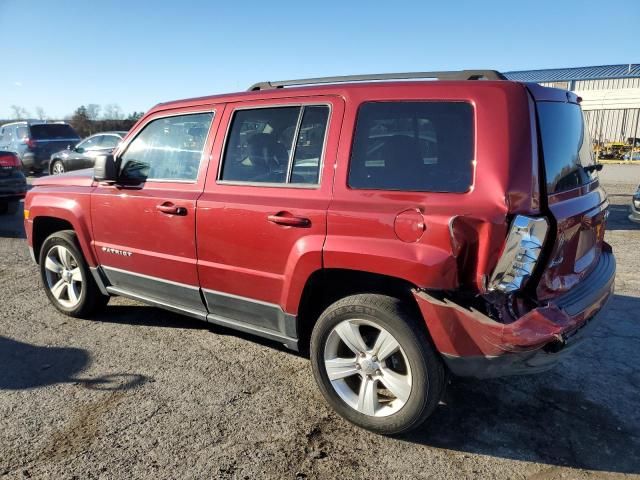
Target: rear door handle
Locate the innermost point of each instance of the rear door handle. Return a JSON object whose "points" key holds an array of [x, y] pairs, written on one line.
{"points": [[171, 209], [288, 220]]}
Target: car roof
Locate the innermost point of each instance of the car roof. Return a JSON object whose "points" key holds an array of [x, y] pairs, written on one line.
{"points": [[315, 90], [34, 122], [120, 133], [345, 89]]}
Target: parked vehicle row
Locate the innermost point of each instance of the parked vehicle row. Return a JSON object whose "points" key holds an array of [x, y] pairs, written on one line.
{"points": [[34, 141], [398, 231], [53, 146]]}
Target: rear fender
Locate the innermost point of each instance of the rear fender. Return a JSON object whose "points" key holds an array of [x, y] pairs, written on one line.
{"points": [[419, 264]]}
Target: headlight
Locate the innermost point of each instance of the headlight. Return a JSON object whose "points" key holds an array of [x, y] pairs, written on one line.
{"points": [[522, 249]]}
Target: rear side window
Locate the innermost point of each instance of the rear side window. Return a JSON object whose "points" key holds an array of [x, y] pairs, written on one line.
{"points": [[566, 146], [53, 131], [22, 132], [280, 145], [414, 146], [167, 149]]}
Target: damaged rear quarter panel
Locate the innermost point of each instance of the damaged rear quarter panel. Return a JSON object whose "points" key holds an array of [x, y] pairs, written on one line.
{"points": [[463, 232]]}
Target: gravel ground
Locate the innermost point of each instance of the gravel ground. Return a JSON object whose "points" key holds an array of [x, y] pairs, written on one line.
{"points": [[143, 393]]}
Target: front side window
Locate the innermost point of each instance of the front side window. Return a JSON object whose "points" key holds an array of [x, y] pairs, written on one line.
{"points": [[90, 143], [281, 145], [413, 146], [6, 135], [110, 141], [167, 148]]}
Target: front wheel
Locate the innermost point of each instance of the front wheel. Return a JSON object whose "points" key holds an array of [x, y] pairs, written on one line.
{"points": [[57, 168], [66, 276], [375, 365]]}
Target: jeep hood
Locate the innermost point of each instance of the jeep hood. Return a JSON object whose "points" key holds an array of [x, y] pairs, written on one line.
{"points": [[77, 178]]}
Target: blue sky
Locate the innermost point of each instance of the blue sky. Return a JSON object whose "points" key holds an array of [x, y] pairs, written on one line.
{"points": [[61, 54]]}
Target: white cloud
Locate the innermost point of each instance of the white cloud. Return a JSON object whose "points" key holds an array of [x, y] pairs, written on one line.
{"points": [[17, 84]]}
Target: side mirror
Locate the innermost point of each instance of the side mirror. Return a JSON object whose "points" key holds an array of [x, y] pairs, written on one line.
{"points": [[104, 169], [78, 149]]}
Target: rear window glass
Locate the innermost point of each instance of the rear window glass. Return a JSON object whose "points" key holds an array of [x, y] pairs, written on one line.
{"points": [[22, 132], [53, 131], [566, 146], [415, 146]]}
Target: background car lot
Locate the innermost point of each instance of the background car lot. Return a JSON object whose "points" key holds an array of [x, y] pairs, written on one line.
{"points": [[140, 392]]}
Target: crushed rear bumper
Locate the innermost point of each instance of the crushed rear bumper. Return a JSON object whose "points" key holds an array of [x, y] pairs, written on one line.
{"points": [[472, 344]]}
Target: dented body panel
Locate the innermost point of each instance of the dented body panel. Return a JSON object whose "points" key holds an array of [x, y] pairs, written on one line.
{"points": [[476, 345], [463, 232]]}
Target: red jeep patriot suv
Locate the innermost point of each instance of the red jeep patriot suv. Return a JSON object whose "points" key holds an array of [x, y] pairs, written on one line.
{"points": [[398, 230]]}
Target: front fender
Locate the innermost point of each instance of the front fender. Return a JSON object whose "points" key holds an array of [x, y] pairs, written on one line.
{"points": [[72, 209]]}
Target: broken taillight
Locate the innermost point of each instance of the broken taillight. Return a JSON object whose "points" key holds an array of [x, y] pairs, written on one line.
{"points": [[520, 255]]}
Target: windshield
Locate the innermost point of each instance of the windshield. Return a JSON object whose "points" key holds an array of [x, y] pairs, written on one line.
{"points": [[566, 146], [53, 131]]}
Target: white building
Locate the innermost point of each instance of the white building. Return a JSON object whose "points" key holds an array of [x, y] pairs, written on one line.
{"points": [[610, 96]]}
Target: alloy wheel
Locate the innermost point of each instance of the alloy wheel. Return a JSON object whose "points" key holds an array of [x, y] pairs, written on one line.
{"points": [[64, 276], [367, 367], [58, 168]]}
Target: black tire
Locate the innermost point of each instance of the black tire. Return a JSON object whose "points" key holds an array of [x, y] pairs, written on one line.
{"points": [[427, 371], [90, 299]]}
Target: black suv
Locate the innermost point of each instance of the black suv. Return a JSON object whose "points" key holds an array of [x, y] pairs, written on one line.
{"points": [[35, 141]]}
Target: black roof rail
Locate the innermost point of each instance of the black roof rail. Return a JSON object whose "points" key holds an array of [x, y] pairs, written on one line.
{"points": [[452, 75]]}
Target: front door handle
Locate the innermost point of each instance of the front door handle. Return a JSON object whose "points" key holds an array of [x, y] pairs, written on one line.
{"points": [[171, 209], [288, 220]]}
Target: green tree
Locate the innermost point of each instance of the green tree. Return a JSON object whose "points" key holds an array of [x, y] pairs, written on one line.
{"points": [[81, 122]]}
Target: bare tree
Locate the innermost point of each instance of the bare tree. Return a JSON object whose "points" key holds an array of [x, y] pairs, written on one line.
{"points": [[19, 112], [40, 113], [93, 111], [112, 111]]}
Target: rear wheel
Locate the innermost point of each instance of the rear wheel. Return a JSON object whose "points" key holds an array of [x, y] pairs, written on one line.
{"points": [[375, 365], [57, 168], [66, 277]]}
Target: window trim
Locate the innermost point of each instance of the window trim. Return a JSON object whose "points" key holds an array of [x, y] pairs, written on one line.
{"points": [[287, 184], [123, 147], [472, 164]]}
